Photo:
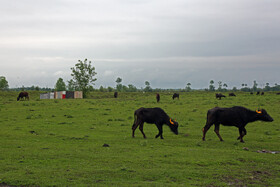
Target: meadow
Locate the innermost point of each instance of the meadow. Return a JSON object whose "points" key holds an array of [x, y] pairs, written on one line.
{"points": [[61, 142]]}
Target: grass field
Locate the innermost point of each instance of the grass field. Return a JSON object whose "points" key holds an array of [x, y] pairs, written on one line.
{"points": [[60, 142]]}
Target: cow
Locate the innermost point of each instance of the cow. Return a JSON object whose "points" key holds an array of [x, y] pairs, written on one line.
{"points": [[23, 95], [262, 93], [156, 116], [175, 95], [219, 96], [115, 94], [237, 116], [258, 93], [231, 94], [158, 97]]}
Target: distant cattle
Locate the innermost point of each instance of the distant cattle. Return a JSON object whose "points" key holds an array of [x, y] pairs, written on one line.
{"points": [[23, 96], [158, 97], [219, 96], [115, 94], [251, 93], [262, 93], [258, 93], [175, 95], [231, 94], [156, 116], [278, 93], [236, 116]]}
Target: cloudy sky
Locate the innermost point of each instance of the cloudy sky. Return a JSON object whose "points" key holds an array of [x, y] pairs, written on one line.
{"points": [[168, 43]]}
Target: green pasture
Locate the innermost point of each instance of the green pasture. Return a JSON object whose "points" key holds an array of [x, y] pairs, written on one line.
{"points": [[60, 142]]}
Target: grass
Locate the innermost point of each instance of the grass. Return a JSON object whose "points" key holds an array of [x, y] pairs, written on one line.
{"points": [[60, 142]]}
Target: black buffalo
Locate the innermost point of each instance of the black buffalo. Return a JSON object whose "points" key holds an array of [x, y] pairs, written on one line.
{"points": [[236, 116], [115, 94], [153, 115], [158, 97], [219, 96], [175, 95], [23, 95], [231, 94]]}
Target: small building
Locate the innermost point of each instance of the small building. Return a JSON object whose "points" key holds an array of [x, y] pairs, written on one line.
{"points": [[62, 95], [49, 95]]}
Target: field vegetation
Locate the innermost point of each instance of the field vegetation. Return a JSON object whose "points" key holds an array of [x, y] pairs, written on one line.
{"points": [[87, 142]]}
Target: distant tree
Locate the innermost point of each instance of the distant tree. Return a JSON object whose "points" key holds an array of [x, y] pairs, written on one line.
{"points": [[267, 87], [234, 89], [148, 87], [110, 89], [3, 83], [220, 86], [71, 86], [60, 85], [132, 88], [101, 89], [211, 86], [83, 76], [119, 86], [188, 87], [255, 86]]}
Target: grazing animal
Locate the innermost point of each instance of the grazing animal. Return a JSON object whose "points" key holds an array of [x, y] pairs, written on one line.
{"points": [[175, 95], [251, 93], [278, 93], [158, 97], [156, 116], [258, 93], [115, 94], [219, 96], [236, 116], [231, 94], [262, 93], [23, 95]]}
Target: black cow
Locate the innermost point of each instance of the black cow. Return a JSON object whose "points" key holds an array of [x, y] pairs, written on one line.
{"points": [[231, 94], [23, 95], [236, 116], [219, 96], [158, 97], [175, 95], [115, 94], [258, 93], [153, 115], [262, 93]]}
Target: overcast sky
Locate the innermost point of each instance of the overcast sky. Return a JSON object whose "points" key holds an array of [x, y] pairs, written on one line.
{"points": [[168, 43]]}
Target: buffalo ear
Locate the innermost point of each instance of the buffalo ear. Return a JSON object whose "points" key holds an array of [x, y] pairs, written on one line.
{"points": [[259, 111]]}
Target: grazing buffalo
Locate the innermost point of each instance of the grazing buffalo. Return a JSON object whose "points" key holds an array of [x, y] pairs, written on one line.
{"points": [[175, 95], [23, 95], [153, 115], [262, 93], [278, 93], [251, 93], [231, 94], [236, 116], [158, 97], [115, 94], [258, 93], [219, 96]]}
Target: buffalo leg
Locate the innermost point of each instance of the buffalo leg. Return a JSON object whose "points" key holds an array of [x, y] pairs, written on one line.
{"points": [[159, 131], [205, 129], [244, 132], [141, 129], [217, 128], [134, 127], [241, 130]]}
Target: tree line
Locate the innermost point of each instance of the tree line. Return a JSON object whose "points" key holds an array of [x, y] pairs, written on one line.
{"points": [[83, 74]]}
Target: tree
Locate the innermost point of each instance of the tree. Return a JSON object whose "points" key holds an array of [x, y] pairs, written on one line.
{"points": [[211, 86], [3, 83], [60, 85], [119, 86], [148, 87], [83, 76], [255, 86], [220, 86], [188, 87]]}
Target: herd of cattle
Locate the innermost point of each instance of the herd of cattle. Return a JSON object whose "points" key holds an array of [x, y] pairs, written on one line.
{"points": [[235, 116]]}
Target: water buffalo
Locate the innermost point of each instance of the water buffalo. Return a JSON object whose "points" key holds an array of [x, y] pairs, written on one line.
{"points": [[236, 116], [156, 116], [23, 95]]}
